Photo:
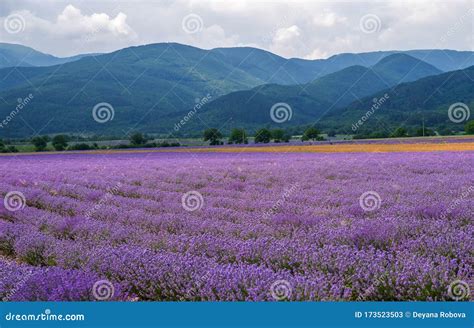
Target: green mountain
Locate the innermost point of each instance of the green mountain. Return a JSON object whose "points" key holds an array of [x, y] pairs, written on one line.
{"points": [[443, 59], [425, 101], [270, 68], [399, 68], [151, 88], [12, 55], [144, 84], [311, 101]]}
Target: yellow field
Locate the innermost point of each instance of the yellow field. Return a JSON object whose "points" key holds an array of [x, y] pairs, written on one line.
{"points": [[345, 148], [336, 148]]}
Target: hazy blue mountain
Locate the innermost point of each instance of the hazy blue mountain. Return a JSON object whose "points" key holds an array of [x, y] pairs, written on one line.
{"points": [[445, 60], [410, 104], [268, 67], [399, 68], [152, 87], [12, 55], [312, 100], [144, 84]]}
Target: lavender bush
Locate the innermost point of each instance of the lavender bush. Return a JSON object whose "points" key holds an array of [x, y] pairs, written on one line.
{"points": [[252, 227]]}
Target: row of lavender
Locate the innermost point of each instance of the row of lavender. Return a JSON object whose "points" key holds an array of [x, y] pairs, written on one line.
{"points": [[187, 226]]}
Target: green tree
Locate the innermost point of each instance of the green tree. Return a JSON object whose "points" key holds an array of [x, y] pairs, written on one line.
{"points": [[331, 133], [263, 135], [11, 149], [377, 135], [80, 146], [137, 139], [40, 143], [310, 134], [424, 132], [445, 132], [238, 136], [60, 142], [212, 135], [278, 135], [400, 133], [469, 127]]}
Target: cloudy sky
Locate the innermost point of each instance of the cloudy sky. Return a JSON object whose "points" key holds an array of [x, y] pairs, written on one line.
{"points": [[305, 29]]}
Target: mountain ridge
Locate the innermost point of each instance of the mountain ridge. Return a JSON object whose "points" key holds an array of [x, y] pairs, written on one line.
{"points": [[311, 100], [17, 55], [151, 87]]}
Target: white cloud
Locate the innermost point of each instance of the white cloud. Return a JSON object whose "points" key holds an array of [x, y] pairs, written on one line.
{"points": [[328, 19], [304, 28], [72, 22], [212, 37], [285, 41], [74, 30], [285, 35]]}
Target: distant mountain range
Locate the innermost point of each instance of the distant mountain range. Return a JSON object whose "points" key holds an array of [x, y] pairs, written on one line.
{"points": [[427, 99], [15, 55], [154, 86], [310, 101]]}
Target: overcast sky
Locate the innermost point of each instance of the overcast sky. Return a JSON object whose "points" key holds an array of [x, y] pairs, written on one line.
{"points": [[305, 29]]}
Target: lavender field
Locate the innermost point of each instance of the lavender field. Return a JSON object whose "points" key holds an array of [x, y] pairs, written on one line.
{"points": [[229, 226]]}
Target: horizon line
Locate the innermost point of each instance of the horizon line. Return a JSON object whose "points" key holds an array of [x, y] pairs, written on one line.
{"points": [[232, 47]]}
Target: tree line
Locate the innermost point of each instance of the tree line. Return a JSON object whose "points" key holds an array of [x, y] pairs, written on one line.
{"points": [[63, 143], [213, 136], [240, 136]]}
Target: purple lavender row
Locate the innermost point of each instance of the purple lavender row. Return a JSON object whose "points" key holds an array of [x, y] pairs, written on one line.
{"points": [[265, 218]]}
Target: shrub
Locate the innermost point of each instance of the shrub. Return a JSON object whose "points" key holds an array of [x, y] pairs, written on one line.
{"points": [[263, 135], [212, 135], [425, 132], [238, 136], [57, 284], [310, 134], [400, 133], [469, 128], [137, 139], [60, 142], [278, 135], [40, 143], [35, 250], [80, 146]]}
